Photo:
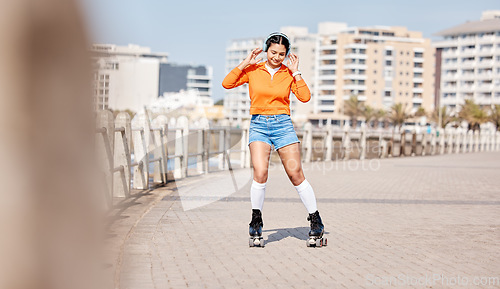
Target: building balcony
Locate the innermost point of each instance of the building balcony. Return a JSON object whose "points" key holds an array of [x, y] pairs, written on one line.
{"points": [[485, 87], [418, 80], [327, 67], [326, 106], [450, 53], [199, 85], [486, 52], [484, 76], [328, 47], [418, 60], [328, 57], [467, 76], [449, 89], [468, 64], [418, 69], [466, 41], [361, 97], [485, 63], [356, 45], [327, 87], [417, 90], [354, 86], [448, 65], [355, 76], [201, 77], [327, 77], [448, 100], [355, 66], [468, 52], [466, 88], [326, 97], [417, 100], [355, 56], [486, 39]]}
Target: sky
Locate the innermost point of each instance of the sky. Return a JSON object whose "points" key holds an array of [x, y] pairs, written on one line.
{"points": [[197, 32]]}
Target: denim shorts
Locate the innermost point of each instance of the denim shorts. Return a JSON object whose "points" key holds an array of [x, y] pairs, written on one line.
{"points": [[276, 130]]}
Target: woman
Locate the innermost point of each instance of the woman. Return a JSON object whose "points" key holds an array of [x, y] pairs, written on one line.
{"points": [[270, 83]]}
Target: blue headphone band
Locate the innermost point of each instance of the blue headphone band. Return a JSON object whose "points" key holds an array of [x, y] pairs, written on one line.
{"points": [[264, 46]]}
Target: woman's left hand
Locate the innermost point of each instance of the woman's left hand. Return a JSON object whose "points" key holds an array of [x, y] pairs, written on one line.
{"points": [[293, 62]]}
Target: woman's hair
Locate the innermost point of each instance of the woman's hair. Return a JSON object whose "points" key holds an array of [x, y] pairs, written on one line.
{"points": [[278, 39]]}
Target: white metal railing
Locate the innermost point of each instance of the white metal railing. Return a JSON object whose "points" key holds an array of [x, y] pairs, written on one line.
{"points": [[329, 143], [147, 142], [133, 154]]}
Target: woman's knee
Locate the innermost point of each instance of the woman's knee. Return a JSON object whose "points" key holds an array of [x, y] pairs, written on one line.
{"points": [[260, 176], [297, 177]]}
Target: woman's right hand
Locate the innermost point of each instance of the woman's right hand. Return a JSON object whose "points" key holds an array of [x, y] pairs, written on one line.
{"points": [[251, 58]]}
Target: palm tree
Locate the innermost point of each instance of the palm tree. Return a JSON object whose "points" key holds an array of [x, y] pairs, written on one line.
{"points": [[495, 116], [446, 117], [398, 115], [420, 112], [353, 109], [369, 114], [473, 114], [379, 115]]}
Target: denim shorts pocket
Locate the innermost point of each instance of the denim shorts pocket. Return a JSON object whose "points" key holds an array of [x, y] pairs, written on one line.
{"points": [[283, 118]]}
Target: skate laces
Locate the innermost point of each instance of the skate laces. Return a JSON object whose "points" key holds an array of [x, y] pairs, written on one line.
{"points": [[256, 219], [315, 221]]}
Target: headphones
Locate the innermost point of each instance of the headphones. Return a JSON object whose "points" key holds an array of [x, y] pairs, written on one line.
{"points": [[264, 46]]}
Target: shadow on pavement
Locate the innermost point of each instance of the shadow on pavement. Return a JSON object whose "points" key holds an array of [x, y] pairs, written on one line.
{"points": [[276, 235]]}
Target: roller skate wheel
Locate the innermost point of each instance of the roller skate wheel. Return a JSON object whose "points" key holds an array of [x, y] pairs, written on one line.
{"points": [[325, 242], [250, 242]]}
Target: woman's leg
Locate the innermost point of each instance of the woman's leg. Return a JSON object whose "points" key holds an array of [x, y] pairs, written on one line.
{"points": [[290, 157], [260, 153]]}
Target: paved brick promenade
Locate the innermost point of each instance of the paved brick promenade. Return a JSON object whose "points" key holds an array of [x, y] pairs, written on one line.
{"points": [[432, 221]]}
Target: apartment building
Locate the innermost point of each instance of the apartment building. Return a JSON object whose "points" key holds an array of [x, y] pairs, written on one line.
{"points": [[175, 78], [132, 77], [379, 65], [469, 62], [237, 100], [125, 77]]}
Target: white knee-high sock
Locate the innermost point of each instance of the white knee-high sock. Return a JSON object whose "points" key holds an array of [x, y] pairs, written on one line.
{"points": [[307, 196], [257, 194]]}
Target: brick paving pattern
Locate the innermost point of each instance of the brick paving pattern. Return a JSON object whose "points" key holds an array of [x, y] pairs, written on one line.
{"points": [[390, 222]]}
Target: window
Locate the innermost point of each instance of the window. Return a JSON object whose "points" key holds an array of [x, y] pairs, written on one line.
{"points": [[388, 63], [388, 52], [387, 93]]}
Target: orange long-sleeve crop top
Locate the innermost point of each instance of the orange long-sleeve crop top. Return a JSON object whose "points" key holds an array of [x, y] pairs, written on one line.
{"points": [[268, 95]]}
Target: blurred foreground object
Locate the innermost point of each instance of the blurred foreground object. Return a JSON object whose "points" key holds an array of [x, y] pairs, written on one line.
{"points": [[48, 217]]}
